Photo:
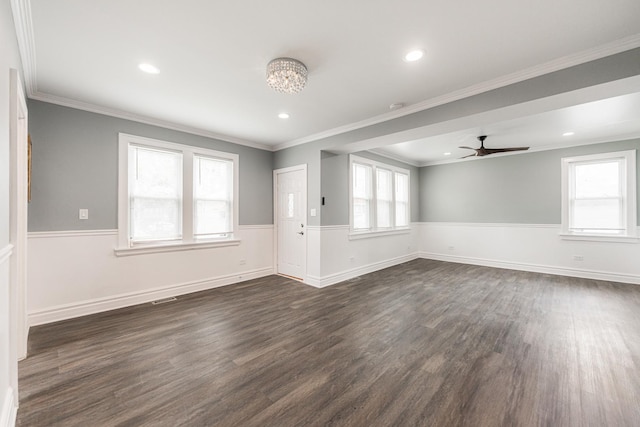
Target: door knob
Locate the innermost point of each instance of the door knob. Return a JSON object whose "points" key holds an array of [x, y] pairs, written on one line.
{"points": [[301, 233]]}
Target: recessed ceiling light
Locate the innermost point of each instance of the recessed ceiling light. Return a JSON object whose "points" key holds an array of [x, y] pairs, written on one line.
{"points": [[148, 68], [396, 106], [283, 115], [414, 55], [568, 134], [447, 153]]}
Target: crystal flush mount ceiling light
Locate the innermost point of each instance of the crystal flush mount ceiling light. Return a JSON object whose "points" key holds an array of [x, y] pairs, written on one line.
{"points": [[286, 75]]}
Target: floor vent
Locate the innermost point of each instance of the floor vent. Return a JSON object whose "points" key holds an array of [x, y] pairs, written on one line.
{"points": [[164, 300]]}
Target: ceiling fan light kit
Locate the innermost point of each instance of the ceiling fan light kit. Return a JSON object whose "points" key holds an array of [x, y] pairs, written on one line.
{"points": [[286, 75], [479, 152]]}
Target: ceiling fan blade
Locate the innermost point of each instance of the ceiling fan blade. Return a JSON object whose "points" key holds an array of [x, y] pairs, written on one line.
{"points": [[468, 148], [470, 155], [505, 150]]}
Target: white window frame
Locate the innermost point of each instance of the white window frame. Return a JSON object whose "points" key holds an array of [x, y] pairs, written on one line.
{"points": [[373, 230], [188, 241], [628, 185]]}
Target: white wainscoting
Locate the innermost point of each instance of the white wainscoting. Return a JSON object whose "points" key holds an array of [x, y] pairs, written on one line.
{"points": [[8, 362], [342, 259], [529, 247], [75, 273], [9, 409]]}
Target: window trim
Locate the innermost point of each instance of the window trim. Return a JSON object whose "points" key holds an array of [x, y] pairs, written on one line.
{"points": [[188, 242], [373, 231], [629, 197]]}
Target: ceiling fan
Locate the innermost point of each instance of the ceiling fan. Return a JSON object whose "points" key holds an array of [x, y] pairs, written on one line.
{"points": [[479, 152]]}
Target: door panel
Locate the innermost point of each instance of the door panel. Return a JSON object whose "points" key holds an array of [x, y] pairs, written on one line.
{"points": [[291, 209]]}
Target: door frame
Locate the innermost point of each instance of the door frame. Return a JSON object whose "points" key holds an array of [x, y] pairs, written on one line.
{"points": [[18, 206], [276, 172]]}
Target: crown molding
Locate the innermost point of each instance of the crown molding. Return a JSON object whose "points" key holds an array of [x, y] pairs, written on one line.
{"points": [[618, 46], [26, 42], [121, 114], [395, 157]]}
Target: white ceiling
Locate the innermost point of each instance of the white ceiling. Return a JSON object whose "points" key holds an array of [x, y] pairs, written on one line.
{"points": [[212, 56]]}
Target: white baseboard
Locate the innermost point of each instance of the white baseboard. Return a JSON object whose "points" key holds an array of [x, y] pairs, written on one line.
{"points": [[9, 410], [535, 268], [98, 305], [321, 282]]}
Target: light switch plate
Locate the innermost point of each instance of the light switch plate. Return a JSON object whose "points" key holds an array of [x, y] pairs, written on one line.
{"points": [[83, 214], [313, 212]]}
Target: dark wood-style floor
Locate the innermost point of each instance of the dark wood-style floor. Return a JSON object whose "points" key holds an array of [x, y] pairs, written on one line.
{"points": [[425, 343]]}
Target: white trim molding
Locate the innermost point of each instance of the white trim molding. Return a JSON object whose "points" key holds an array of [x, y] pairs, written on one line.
{"points": [[98, 305], [5, 253], [332, 279], [9, 409], [256, 227], [70, 233], [26, 43], [165, 124], [535, 268]]}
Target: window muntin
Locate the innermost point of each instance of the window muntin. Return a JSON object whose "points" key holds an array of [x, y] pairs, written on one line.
{"points": [[379, 196], [599, 195], [173, 194]]}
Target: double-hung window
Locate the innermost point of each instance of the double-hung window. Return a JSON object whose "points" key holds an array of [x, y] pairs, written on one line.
{"points": [[379, 196], [599, 195], [174, 196]]}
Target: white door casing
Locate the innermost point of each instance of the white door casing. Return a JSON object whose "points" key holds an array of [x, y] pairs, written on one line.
{"points": [[18, 199], [290, 212]]}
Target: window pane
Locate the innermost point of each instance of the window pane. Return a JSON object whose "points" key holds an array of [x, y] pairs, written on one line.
{"points": [[362, 195], [602, 214], [402, 200], [361, 218], [155, 194], [213, 196], [384, 197], [597, 180]]}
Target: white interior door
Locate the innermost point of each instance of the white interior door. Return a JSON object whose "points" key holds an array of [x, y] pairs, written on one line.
{"points": [[291, 221]]}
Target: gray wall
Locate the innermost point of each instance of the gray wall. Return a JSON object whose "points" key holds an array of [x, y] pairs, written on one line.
{"points": [[75, 165], [522, 188], [308, 154]]}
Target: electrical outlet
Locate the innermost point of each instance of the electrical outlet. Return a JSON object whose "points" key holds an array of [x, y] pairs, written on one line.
{"points": [[83, 214], [578, 258], [243, 261], [451, 247]]}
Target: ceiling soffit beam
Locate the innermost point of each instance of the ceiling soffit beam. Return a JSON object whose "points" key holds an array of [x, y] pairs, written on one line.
{"points": [[600, 79]]}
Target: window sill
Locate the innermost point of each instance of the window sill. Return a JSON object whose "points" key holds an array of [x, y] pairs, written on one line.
{"points": [[599, 238], [356, 235], [174, 247]]}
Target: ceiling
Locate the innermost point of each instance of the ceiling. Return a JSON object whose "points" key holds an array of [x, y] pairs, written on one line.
{"points": [[615, 118], [212, 58]]}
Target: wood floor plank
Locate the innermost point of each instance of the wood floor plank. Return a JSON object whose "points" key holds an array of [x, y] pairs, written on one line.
{"points": [[425, 343]]}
